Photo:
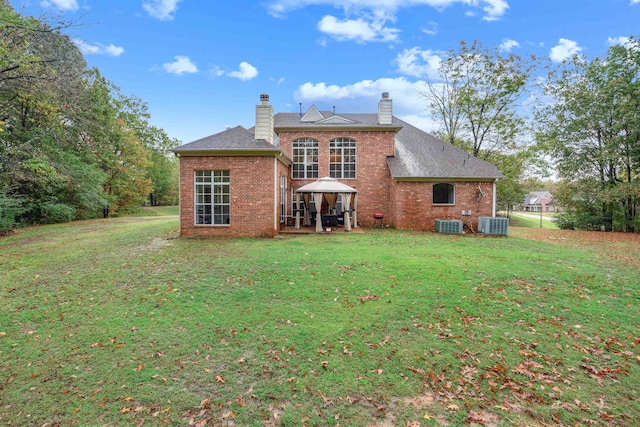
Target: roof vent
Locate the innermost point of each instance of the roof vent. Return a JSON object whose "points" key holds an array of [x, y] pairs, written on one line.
{"points": [[264, 98], [385, 95]]}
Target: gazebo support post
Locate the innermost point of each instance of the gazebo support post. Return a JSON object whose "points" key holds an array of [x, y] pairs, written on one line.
{"points": [[317, 200], [297, 225], [355, 211]]}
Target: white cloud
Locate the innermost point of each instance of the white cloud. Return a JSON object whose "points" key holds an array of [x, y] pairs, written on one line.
{"points": [[364, 96], [565, 49], [430, 28], [245, 72], [181, 65], [61, 4], [98, 48], [161, 9], [618, 41], [216, 71], [114, 50], [418, 63], [507, 45], [357, 29], [493, 9], [634, 2]]}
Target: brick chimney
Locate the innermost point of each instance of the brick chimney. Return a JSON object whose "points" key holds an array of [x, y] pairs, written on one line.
{"points": [[385, 110], [264, 120]]}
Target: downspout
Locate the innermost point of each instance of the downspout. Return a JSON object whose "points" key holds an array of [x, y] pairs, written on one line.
{"points": [[276, 186], [494, 201], [180, 194]]}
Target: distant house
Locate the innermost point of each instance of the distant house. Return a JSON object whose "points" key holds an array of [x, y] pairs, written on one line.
{"points": [[295, 169], [539, 201]]}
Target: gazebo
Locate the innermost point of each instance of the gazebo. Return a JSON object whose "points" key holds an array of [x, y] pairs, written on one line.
{"points": [[329, 188]]}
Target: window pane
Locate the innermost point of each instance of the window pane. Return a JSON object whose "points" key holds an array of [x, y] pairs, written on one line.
{"points": [[212, 197], [342, 158], [444, 193], [305, 158]]}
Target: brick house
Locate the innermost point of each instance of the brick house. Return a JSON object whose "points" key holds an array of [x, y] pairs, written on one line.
{"points": [[243, 182], [539, 201]]}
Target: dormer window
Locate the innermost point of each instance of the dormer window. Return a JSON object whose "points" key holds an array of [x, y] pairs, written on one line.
{"points": [[342, 158], [305, 158]]}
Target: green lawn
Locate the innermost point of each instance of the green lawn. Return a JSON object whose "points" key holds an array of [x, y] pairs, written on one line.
{"points": [[116, 322], [519, 220]]}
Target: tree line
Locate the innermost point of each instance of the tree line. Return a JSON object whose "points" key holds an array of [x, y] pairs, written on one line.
{"points": [[581, 119], [72, 146]]}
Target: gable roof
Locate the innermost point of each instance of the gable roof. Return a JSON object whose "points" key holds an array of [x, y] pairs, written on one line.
{"points": [[237, 139], [312, 115], [536, 197], [329, 120], [420, 155]]}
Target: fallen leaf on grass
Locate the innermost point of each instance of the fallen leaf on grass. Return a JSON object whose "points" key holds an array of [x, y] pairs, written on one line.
{"points": [[219, 379]]}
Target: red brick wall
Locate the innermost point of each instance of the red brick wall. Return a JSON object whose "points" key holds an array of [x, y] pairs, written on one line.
{"points": [[372, 180], [252, 189], [415, 210]]}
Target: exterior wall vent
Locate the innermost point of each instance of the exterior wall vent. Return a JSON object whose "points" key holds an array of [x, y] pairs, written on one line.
{"points": [[449, 226], [493, 226]]}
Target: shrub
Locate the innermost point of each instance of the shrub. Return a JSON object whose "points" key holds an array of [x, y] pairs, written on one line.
{"points": [[10, 208], [52, 213]]}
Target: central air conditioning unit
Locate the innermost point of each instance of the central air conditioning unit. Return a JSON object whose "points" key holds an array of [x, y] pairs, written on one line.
{"points": [[493, 226], [449, 226]]}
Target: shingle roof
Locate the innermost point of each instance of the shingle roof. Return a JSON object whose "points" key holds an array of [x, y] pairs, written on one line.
{"points": [[422, 155], [237, 138], [417, 153], [535, 197], [354, 121]]}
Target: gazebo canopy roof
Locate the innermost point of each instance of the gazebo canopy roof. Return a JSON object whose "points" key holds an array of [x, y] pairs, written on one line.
{"points": [[326, 185]]}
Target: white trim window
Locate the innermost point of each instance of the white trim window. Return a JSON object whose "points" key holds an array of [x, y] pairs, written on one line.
{"points": [[342, 158], [444, 194], [305, 158], [212, 197]]}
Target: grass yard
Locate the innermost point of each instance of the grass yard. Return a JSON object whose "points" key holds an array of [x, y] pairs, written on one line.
{"points": [[530, 221], [115, 322]]}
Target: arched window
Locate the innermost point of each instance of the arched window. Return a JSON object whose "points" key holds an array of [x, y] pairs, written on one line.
{"points": [[444, 194], [342, 158], [305, 158]]}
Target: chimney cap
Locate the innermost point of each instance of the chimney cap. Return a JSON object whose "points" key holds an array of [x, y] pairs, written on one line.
{"points": [[385, 95], [264, 98]]}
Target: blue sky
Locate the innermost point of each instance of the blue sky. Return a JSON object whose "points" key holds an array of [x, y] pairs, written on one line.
{"points": [[201, 65]]}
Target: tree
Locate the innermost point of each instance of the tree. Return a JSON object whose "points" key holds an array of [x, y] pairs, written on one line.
{"points": [[477, 96], [70, 143], [592, 129]]}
